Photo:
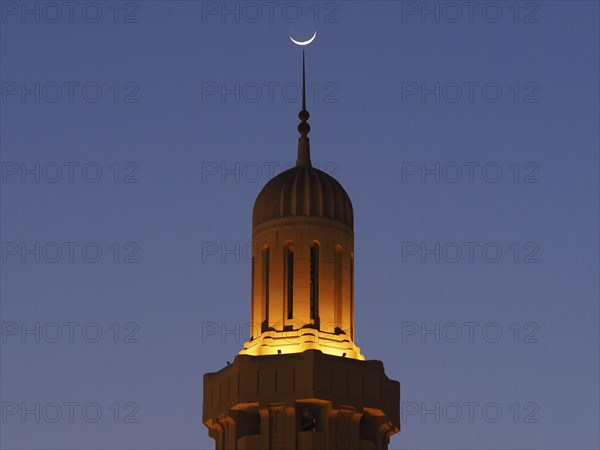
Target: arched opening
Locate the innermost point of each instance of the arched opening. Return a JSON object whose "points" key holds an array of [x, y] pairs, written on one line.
{"points": [[314, 281], [288, 282], [337, 288], [266, 263]]}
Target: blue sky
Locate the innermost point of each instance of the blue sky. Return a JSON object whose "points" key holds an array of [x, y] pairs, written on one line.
{"points": [[135, 137]]}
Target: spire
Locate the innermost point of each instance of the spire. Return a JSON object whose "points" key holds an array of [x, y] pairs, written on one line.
{"points": [[303, 83], [304, 127]]}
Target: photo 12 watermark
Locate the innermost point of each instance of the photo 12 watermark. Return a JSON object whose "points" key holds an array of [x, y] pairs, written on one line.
{"points": [[69, 92], [70, 412], [469, 92], [70, 252], [237, 252], [470, 252], [268, 92], [471, 12], [53, 12], [469, 332], [254, 171], [471, 412], [215, 332], [270, 12], [469, 172], [69, 172], [69, 332]]}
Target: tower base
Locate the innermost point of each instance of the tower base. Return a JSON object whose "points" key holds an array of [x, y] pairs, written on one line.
{"points": [[301, 401]]}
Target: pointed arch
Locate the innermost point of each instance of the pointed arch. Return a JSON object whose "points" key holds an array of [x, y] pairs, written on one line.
{"points": [[288, 278], [337, 285], [314, 281]]}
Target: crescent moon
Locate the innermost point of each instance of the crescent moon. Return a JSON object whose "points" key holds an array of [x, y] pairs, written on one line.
{"points": [[304, 42]]}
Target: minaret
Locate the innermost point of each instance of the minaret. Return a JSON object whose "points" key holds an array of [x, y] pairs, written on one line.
{"points": [[300, 382], [302, 273]]}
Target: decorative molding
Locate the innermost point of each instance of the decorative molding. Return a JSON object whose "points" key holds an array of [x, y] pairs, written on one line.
{"points": [[294, 221]]}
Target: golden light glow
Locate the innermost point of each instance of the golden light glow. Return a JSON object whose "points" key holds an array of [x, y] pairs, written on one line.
{"points": [[297, 341]]}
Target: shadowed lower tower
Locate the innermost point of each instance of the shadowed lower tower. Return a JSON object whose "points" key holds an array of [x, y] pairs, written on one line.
{"points": [[300, 382]]}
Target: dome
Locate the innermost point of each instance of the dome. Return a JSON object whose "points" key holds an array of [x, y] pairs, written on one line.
{"points": [[303, 191]]}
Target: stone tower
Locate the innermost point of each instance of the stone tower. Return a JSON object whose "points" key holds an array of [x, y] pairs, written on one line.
{"points": [[300, 382]]}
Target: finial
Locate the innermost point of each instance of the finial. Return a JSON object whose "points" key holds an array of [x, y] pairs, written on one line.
{"points": [[304, 127], [303, 83]]}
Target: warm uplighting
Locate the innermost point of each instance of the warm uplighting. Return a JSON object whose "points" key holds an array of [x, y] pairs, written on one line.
{"points": [[300, 381], [297, 341]]}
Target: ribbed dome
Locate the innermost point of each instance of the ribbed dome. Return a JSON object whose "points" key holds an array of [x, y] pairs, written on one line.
{"points": [[303, 191]]}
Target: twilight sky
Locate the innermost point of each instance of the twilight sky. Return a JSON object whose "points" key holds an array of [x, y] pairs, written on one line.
{"points": [[135, 137]]}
